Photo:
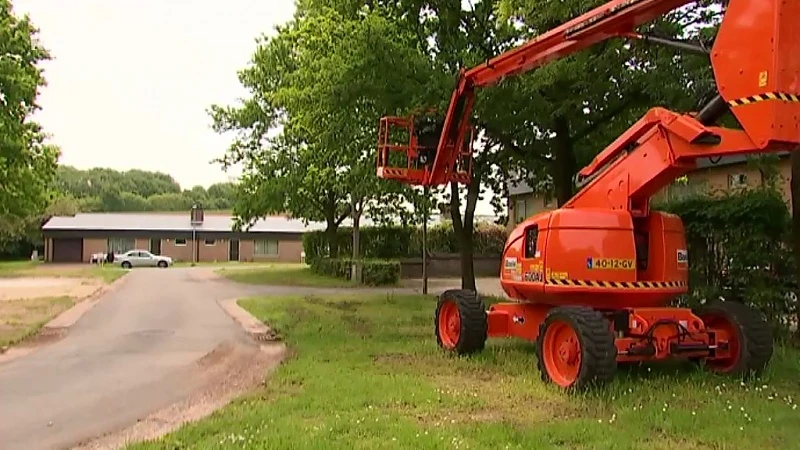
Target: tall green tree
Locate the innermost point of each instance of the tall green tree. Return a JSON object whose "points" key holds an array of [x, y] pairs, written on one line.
{"points": [[323, 81], [27, 165]]}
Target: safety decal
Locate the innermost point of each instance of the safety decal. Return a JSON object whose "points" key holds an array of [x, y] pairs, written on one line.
{"points": [[765, 97], [610, 264], [510, 263], [390, 171], [534, 277], [683, 257], [619, 284]]}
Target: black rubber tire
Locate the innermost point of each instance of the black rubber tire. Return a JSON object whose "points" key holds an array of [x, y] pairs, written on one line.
{"points": [[474, 322], [598, 352], [755, 337], [126, 265], [162, 264]]}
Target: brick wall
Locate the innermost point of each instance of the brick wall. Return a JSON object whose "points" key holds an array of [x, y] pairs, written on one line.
{"points": [[720, 178], [288, 251], [217, 251], [246, 250], [177, 252]]}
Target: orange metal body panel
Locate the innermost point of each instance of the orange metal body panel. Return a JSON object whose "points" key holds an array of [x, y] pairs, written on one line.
{"points": [[571, 246], [756, 51]]}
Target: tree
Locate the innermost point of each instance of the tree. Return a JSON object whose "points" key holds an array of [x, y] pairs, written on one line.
{"points": [[27, 165], [322, 82], [103, 189]]}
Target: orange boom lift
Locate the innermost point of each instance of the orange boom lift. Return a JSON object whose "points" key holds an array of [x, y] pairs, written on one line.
{"points": [[591, 281]]}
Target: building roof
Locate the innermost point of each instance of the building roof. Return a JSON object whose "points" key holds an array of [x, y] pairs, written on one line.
{"points": [[519, 187], [172, 222], [212, 222]]}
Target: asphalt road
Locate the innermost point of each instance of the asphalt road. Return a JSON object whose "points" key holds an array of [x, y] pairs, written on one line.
{"points": [[133, 353], [128, 356]]}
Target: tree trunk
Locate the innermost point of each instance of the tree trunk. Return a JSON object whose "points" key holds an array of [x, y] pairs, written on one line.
{"points": [[331, 233], [357, 264], [565, 163], [795, 186], [463, 229]]}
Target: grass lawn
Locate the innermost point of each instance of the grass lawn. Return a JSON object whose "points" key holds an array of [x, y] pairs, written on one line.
{"points": [[37, 269], [283, 275], [22, 318], [366, 373]]}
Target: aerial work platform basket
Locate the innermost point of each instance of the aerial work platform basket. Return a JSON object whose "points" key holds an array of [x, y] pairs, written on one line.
{"points": [[408, 149]]}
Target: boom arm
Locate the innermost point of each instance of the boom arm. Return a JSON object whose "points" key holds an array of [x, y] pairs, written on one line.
{"points": [[756, 62], [616, 18]]}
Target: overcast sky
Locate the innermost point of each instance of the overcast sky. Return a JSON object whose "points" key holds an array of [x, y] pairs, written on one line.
{"points": [[130, 80]]}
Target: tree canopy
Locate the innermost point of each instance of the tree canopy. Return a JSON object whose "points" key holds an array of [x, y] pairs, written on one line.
{"points": [[319, 84], [109, 190], [27, 165]]}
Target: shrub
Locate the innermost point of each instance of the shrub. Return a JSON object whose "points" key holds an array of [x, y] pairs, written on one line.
{"points": [[374, 272], [394, 242], [738, 250]]}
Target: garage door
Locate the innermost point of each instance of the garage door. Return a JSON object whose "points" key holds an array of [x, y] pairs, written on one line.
{"points": [[67, 250]]}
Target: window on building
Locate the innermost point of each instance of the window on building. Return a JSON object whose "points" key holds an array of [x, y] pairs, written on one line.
{"points": [[180, 242], [265, 247], [211, 242], [120, 245], [737, 180], [520, 211]]}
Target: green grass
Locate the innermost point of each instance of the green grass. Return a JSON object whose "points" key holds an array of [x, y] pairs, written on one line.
{"points": [[22, 318], [366, 373], [284, 275], [107, 274], [11, 268]]}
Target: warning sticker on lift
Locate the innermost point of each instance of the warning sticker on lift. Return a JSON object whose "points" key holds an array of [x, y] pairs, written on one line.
{"points": [[610, 264], [683, 257]]}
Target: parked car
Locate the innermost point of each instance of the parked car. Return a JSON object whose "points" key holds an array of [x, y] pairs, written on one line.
{"points": [[141, 258]]}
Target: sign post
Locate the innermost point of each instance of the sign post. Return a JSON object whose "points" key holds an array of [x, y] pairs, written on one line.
{"points": [[425, 243]]}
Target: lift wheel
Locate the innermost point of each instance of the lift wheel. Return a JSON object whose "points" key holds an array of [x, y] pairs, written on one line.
{"points": [[751, 340], [461, 323], [575, 348]]}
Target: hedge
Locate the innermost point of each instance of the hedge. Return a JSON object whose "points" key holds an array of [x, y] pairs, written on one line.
{"points": [[394, 242], [739, 249], [374, 272]]}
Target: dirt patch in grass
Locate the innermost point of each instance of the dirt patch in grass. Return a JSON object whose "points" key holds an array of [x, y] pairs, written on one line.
{"points": [[22, 318], [27, 269], [34, 287]]}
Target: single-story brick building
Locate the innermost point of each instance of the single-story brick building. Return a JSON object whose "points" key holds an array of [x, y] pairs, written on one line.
{"points": [[76, 238]]}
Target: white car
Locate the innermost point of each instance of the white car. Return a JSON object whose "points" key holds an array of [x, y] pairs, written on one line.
{"points": [[141, 258]]}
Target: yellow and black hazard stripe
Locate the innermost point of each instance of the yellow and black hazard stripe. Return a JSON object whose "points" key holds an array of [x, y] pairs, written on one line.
{"points": [[769, 96], [390, 172], [618, 284]]}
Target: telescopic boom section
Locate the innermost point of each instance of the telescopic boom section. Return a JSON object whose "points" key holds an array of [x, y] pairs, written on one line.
{"points": [[615, 18], [756, 62]]}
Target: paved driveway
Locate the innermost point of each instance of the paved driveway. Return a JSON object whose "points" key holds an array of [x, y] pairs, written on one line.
{"points": [[133, 353]]}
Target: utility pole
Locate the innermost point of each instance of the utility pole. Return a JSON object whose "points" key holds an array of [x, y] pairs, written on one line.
{"points": [[425, 241]]}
